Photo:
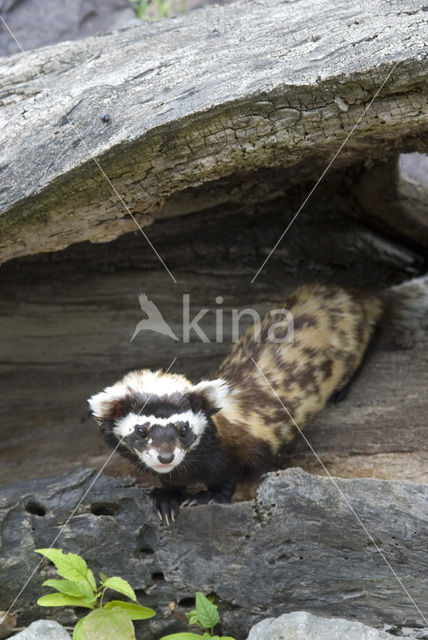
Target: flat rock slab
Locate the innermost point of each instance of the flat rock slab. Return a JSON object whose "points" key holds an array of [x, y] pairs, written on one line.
{"points": [[300, 537], [301, 625]]}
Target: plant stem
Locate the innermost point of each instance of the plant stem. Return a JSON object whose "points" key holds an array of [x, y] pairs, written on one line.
{"points": [[102, 597]]}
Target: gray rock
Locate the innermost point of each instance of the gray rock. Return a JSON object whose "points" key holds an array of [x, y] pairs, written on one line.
{"points": [[198, 4], [297, 546], [36, 24], [414, 166], [43, 630], [413, 634], [301, 625]]}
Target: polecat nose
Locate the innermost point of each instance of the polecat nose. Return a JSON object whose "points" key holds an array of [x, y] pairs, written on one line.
{"points": [[165, 457]]}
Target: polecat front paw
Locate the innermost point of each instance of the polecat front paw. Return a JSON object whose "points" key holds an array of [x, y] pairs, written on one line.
{"points": [[166, 503]]}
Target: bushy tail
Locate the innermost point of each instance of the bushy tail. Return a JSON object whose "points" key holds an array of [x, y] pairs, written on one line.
{"points": [[406, 307]]}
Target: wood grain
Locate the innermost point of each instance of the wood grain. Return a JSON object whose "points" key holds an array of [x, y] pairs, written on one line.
{"points": [[218, 92]]}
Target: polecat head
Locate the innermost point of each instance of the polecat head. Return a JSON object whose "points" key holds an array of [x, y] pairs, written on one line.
{"points": [[158, 416]]}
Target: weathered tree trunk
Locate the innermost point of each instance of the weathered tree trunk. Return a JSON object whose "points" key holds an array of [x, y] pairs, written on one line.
{"points": [[189, 101]]}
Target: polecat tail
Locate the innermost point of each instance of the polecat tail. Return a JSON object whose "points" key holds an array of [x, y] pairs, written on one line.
{"points": [[406, 306]]}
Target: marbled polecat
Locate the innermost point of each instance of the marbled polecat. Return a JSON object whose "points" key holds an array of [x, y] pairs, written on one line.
{"points": [[222, 430]]}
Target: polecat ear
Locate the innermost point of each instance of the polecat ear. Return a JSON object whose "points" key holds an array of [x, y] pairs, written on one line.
{"points": [[105, 405], [211, 394]]}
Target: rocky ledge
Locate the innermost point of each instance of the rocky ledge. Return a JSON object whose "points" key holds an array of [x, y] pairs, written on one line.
{"points": [[354, 548]]}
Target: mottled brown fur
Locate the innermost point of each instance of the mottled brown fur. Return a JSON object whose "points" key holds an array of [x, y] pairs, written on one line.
{"points": [[332, 328]]}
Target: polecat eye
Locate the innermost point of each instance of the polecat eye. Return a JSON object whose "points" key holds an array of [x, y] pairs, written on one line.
{"points": [[183, 430], [142, 432]]}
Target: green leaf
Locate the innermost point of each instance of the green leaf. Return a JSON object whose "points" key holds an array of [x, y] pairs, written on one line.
{"points": [[120, 585], [107, 624], [164, 7], [68, 565], [182, 636], [103, 577], [71, 588], [61, 600], [76, 631], [207, 611], [91, 579], [142, 8], [192, 617], [135, 611]]}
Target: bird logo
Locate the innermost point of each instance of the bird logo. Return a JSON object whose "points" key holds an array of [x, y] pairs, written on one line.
{"points": [[154, 320]]}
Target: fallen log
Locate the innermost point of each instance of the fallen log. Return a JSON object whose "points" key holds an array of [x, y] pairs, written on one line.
{"points": [[183, 103]]}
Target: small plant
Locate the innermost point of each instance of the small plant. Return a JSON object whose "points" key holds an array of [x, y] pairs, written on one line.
{"points": [[109, 621], [151, 9], [206, 615]]}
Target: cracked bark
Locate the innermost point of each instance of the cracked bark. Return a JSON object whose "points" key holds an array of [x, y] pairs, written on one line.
{"points": [[261, 86]]}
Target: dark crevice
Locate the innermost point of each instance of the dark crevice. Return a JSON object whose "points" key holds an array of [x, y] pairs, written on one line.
{"points": [[187, 603], [146, 551], [35, 508], [158, 576], [104, 508]]}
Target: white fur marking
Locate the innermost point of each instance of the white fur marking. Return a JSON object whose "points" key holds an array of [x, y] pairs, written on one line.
{"points": [[145, 381], [216, 390], [100, 402], [125, 426], [151, 460], [155, 382]]}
